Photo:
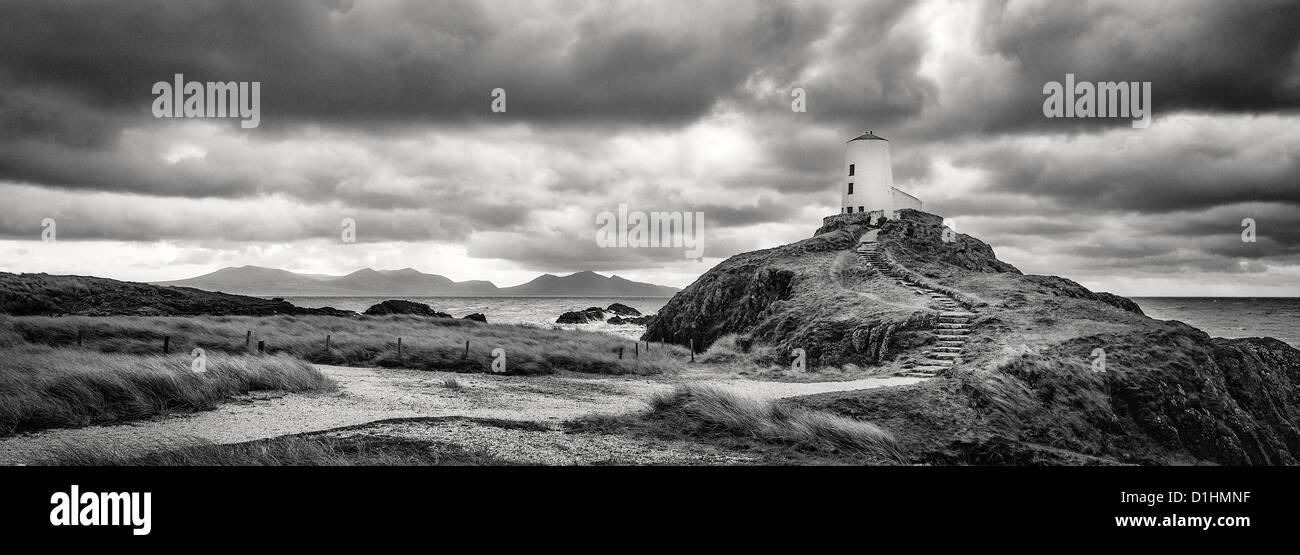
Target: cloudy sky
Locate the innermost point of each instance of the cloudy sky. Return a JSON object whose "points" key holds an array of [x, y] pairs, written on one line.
{"points": [[381, 112]]}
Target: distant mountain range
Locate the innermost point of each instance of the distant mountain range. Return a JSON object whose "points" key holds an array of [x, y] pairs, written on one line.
{"points": [[259, 281]]}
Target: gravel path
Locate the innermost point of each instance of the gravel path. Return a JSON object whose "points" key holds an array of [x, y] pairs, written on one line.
{"points": [[370, 394]]}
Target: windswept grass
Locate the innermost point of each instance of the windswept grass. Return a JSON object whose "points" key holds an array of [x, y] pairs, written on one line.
{"points": [[730, 354], [427, 343], [720, 416], [280, 451], [43, 387]]}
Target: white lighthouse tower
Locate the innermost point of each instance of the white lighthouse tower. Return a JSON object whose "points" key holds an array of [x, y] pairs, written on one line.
{"points": [[869, 179]]}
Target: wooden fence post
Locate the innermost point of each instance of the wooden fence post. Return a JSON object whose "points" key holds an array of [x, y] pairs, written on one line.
{"points": [[167, 344], [466, 350], [261, 347], [327, 342], [399, 349], [620, 353], [692, 349], [248, 341], [79, 334], [636, 351]]}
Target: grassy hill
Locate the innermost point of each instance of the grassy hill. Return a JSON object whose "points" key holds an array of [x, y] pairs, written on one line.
{"points": [[44, 294]]}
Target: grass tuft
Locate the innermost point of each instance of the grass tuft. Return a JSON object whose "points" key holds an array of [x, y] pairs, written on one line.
{"points": [[710, 413], [280, 451], [42, 387]]}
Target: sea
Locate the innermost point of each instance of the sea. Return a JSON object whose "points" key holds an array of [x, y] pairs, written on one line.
{"points": [[1276, 317], [1218, 316], [537, 311]]}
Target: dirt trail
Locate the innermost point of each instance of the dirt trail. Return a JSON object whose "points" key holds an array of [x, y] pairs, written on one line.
{"points": [[370, 394]]}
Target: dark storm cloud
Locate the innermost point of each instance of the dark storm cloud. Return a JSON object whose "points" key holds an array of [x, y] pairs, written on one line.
{"points": [[403, 61], [869, 70], [740, 214], [380, 111], [70, 89], [1191, 174], [271, 219], [1202, 55]]}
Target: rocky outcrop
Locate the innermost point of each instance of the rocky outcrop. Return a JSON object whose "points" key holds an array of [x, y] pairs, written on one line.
{"points": [[1169, 395], [585, 316], [926, 247], [1061, 287], [404, 307], [783, 298], [621, 309], [1032, 387], [477, 317], [1119, 302]]}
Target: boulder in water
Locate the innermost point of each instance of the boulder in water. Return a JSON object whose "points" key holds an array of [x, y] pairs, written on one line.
{"points": [[404, 307], [588, 315], [623, 310]]}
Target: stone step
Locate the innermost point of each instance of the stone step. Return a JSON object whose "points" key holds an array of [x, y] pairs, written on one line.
{"points": [[948, 349], [945, 355], [952, 331], [938, 362], [924, 368], [953, 326], [955, 313]]}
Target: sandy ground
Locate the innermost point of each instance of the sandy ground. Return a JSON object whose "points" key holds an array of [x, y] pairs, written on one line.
{"points": [[370, 394]]}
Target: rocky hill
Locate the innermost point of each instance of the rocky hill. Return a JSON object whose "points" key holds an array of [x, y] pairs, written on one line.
{"points": [[1028, 386], [44, 294]]}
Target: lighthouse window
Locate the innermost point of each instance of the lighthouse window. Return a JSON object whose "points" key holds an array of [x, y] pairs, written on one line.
{"points": [[850, 184], [850, 169], [861, 209]]}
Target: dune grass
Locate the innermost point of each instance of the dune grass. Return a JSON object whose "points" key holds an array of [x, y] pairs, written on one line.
{"points": [[788, 432], [43, 387], [279, 451], [427, 343], [767, 362]]}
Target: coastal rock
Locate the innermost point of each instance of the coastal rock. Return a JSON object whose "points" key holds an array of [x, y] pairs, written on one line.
{"points": [[404, 307], [1051, 373], [585, 316], [477, 317], [784, 299], [622, 310]]}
